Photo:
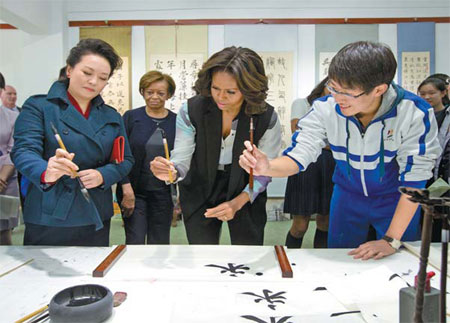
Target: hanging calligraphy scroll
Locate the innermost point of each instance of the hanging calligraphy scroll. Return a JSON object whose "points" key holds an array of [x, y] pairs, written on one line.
{"points": [[324, 63], [279, 67], [183, 68], [117, 92], [415, 68]]}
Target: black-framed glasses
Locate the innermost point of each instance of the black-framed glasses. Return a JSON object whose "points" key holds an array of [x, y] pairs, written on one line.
{"points": [[335, 92]]}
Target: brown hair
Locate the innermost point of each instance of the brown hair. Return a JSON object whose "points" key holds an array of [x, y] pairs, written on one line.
{"points": [[156, 76], [246, 67]]}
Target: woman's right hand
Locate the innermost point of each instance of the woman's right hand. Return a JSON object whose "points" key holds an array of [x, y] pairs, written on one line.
{"points": [[59, 165], [128, 200], [160, 168]]}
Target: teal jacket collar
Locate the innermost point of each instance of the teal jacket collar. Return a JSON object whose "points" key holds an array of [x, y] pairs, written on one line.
{"points": [[59, 91]]}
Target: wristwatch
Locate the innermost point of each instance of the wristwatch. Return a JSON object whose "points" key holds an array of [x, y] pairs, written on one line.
{"points": [[396, 244]]}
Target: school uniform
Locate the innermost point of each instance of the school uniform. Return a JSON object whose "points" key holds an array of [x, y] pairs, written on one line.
{"points": [[397, 148], [60, 208]]}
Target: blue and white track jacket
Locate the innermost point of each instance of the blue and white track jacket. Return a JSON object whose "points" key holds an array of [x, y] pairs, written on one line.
{"points": [[398, 148]]}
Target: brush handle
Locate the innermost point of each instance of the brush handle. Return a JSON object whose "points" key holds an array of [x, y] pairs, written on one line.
{"points": [[166, 151], [250, 179]]}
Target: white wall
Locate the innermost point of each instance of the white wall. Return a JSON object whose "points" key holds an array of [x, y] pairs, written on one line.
{"points": [[30, 63], [204, 9], [443, 48]]}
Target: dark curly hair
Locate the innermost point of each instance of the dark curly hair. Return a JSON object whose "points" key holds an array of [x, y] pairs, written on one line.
{"points": [[246, 67], [92, 46]]}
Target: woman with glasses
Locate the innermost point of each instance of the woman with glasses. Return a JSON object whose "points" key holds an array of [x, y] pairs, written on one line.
{"points": [[382, 137], [309, 192], [145, 200]]}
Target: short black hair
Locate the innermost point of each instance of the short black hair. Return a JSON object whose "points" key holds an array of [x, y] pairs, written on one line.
{"points": [[2, 81], [442, 76], [363, 64], [97, 47]]}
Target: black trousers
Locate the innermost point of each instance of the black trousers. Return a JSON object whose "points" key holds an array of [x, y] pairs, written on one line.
{"points": [[247, 227], [42, 235], [151, 218]]}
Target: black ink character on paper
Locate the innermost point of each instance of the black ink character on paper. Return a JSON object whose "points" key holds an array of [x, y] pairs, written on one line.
{"points": [[194, 64], [270, 62], [271, 298], [158, 65], [272, 319], [170, 64], [232, 269], [282, 62]]}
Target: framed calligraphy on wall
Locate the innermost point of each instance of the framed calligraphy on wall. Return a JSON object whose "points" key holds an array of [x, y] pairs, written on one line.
{"points": [[279, 67], [117, 92], [183, 68], [415, 68]]}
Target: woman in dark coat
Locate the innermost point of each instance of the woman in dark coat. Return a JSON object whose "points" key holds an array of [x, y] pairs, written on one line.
{"points": [[55, 210]]}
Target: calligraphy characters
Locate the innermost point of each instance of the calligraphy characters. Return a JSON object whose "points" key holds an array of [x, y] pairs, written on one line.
{"points": [[269, 297], [231, 268]]}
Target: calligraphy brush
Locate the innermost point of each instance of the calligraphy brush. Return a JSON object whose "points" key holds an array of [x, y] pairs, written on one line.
{"points": [[84, 190], [173, 187], [34, 314], [250, 178]]}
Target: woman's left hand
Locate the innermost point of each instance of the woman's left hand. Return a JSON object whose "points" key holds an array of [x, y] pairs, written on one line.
{"points": [[91, 178], [224, 212], [372, 249]]}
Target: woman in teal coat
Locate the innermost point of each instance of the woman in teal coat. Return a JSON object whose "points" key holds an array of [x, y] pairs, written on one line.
{"points": [[55, 210]]}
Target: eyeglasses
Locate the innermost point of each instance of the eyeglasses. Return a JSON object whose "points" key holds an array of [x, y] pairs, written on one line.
{"points": [[335, 92]]}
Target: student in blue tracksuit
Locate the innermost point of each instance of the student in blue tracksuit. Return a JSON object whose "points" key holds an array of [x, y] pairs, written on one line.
{"points": [[381, 136], [55, 212]]}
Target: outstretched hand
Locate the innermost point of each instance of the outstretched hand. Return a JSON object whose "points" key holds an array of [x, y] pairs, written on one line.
{"points": [[254, 158], [224, 211]]}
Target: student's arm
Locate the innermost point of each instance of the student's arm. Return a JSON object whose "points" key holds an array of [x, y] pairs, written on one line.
{"points": [[307, 144]]}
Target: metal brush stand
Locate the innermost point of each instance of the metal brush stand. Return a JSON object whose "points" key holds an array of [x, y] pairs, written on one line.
{"points": [[422, 196]]}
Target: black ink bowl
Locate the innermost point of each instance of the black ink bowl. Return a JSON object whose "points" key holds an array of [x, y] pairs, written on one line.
{"points": [[82, 303]]}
